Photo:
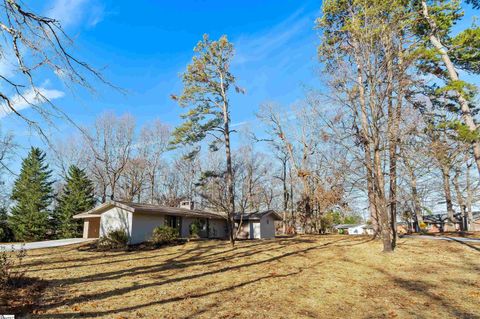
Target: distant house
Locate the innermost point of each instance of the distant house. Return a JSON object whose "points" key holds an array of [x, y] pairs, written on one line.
{"points": [[256, 225], [436, 222], [139, 220], [354, 229]]}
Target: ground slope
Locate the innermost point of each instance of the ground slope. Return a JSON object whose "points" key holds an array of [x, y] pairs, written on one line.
{"points": [[301, 277]]}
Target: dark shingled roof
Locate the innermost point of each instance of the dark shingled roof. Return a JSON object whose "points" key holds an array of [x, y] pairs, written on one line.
{"points": [[150, 209], [257, 215]]}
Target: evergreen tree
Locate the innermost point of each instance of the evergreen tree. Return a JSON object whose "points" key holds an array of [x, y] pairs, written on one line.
{"points": [[32, 193], [77, 197], [6, 233], [207, 83]]}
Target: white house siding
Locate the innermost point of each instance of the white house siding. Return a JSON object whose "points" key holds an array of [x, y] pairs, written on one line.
{"points": [[255, 230], [86, 223], [143, 225], [115, 218], [267, 227], [358, 230]]}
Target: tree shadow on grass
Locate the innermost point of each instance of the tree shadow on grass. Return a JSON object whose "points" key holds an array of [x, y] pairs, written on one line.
{"points": [[176, 262], [464, 243], [21, 297], [164, 280], [418, 287]]}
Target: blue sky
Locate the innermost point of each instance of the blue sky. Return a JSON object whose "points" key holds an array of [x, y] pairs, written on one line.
{"points": [[145, 45]]}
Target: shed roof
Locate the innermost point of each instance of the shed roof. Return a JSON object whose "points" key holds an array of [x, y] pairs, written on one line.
{"points": [[140, 208], [256, 215]]}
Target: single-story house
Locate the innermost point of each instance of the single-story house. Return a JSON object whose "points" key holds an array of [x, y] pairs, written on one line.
{"points": [[256, 225], [139, 220], [354, 229]]}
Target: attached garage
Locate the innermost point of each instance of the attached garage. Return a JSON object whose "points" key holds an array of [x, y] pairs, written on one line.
{"points": [[257, 225]]}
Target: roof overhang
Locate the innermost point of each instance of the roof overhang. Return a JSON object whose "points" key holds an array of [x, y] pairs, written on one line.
{"points": [[256, 216], [173, 211]]}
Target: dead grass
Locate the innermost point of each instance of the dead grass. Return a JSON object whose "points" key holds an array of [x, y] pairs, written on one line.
{"points": [[302, 277]]}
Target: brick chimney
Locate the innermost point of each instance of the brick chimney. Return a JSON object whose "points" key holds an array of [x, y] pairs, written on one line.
{"points": [[187, 204]]}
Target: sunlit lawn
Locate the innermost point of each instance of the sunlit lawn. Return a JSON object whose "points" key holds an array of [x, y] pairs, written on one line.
{"points": [[301, 277]]}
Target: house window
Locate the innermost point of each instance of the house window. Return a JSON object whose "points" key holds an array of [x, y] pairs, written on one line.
{"points": [[268, 222], [172, 221]]}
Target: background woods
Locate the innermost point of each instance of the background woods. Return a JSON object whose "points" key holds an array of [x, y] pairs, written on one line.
{"points": [[390, 137]]}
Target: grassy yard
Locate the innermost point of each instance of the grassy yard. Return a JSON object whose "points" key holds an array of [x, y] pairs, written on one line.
{"points": [[301, 277]]}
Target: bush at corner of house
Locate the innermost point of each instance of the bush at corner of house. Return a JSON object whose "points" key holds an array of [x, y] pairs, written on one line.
{"points": [[114, 239], [164, 235]]}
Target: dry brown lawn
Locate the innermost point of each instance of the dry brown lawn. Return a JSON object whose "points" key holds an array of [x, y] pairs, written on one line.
{"points": [[301, 277]]}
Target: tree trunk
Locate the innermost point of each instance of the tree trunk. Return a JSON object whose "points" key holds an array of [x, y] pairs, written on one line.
{"points": [[416, 200], [229, 176], [448, 198], [285, 194], [460, 200], [152, 188], [452, 73], [469, 197], [382, 211]]}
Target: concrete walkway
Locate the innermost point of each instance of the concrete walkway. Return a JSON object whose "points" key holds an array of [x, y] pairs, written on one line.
{"points": [[44, 244], [458, 239]]}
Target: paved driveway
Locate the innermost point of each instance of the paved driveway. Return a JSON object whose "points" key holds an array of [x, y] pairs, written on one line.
{"points": [[45, 244], [457, 239]]}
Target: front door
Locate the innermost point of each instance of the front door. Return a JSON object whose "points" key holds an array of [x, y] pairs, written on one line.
{"points": [[93, 227], [256, 230]]}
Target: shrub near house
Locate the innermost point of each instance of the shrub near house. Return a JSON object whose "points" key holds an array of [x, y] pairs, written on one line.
{"points": [[164, 235]]}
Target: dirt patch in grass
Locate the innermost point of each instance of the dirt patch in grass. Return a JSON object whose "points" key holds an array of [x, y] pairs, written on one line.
{"points": [[300, 277]]}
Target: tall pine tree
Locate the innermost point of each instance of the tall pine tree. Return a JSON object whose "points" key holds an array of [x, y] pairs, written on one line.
{"points": [[32, 192], [77, 197]]}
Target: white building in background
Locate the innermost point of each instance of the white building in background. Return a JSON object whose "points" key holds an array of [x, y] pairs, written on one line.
{"points": [[354, 229]]}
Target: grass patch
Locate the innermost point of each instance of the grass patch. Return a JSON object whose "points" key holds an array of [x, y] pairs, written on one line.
{"points": [[300, 277]]}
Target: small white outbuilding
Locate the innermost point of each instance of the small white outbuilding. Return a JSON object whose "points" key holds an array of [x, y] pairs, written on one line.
{"points": [[257, 225]]}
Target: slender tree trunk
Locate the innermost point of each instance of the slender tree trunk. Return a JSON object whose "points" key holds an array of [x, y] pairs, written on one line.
{"points": [[460, 199], [152, 188], [469, 197], [381, 205], [394, 114], [448, 198], [416, 200], [452, 73], [292, 204], [285, 194], [229, 178]]}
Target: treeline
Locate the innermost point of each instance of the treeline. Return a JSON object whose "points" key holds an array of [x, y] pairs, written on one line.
{"points": [[392, 133], [38, 212], [116, 159]]}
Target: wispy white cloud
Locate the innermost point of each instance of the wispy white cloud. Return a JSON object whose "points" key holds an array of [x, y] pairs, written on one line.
{"points": [[71, 13], [259, 46], [28, 98]]}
